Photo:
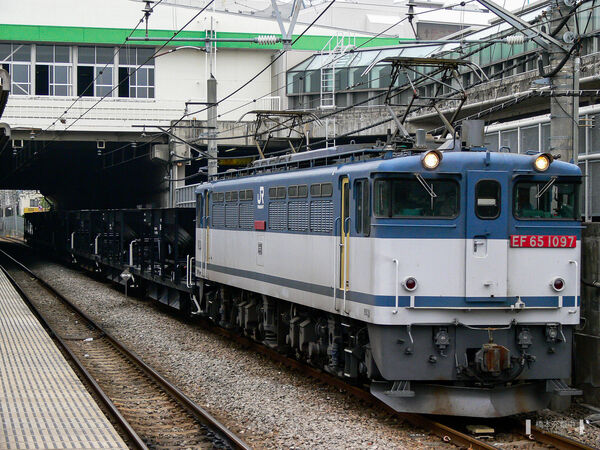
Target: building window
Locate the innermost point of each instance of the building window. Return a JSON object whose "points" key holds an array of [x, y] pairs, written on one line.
{"points": [[140, 83], [16, 59], [53, 70], [95, 67]]}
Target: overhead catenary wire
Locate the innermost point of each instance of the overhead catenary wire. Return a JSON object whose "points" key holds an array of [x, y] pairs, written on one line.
{"points": [[370, 98], [231, 94], [131, 73], [358, 49], [336, 111], [295, 41], [281, 53], [354, 50], [141, 65]]}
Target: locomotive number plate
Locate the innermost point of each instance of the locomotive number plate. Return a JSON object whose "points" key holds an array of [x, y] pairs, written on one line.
{"points": [[536, 241]]}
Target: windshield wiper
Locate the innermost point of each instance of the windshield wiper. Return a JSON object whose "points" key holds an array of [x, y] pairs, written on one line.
{"points": [[546, 186], [427, 187]]}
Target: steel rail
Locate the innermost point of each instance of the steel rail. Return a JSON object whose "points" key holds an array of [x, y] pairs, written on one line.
{"points": [[556, 440], [200, 413], [446, 433], [113, 410]]}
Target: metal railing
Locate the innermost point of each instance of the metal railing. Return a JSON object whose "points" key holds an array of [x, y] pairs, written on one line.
{"points": [[185, 196], [114, 114]]}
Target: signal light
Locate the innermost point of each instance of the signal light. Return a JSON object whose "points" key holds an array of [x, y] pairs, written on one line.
{"points": [[558, 284], [409, 283], [431, 159], [542, 162]]}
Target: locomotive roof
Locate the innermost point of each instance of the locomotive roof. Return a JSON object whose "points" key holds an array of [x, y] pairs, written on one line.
{"points": [[454, 162]]}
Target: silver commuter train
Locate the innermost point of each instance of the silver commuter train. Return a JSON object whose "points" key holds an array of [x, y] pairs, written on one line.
{"points": [[449, 280]]}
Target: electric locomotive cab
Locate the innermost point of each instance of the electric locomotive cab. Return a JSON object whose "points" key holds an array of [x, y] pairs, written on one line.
{"points": [[486, 286]]}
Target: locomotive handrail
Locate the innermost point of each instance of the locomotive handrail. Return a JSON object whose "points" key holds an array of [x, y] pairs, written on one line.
{"points": [[192, 271], [431, 225], [187, 271], [335, 262], [131, 251], [575, 227], [96, 243], [572, 261], [346, 222], [73, 239], [397, 263], [207, 218]]}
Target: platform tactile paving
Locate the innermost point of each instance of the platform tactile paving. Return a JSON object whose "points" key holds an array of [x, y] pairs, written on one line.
{"points": [[42, 402]]}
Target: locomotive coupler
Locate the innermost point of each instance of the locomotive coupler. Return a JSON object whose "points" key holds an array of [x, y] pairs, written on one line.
{"points": [[493, 359]]}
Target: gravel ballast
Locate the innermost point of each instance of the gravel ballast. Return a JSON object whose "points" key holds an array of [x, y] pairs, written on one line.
{"points": [[267, 404]]}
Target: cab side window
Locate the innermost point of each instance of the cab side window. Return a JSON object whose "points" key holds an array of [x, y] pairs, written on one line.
{"points": [[199, 210], [362, 207]]}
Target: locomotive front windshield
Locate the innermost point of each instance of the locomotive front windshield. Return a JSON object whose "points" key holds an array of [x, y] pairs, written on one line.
{"points": [[546, 200], [416, 197]]}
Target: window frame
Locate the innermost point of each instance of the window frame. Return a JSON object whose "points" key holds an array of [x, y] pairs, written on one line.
{"points": [[243, 195], [564, 180], [410, 177], [366, 212], [297, 188], [11, 62], [199, 209], [499, 206], [129, 60], [97, 67], [320, 194], [280, 193], [52, 66]]}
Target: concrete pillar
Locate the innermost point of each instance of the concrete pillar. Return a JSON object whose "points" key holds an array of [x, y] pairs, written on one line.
{"points": [[561, 108], [587, 341], [211, 89]]}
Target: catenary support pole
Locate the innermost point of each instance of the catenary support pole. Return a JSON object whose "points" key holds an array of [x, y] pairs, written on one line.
{"points": [[211, 89], [562, 107]]}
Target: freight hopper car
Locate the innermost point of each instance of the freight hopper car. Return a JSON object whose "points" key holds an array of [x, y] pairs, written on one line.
{"points": [[448, 280], [146, 249]]}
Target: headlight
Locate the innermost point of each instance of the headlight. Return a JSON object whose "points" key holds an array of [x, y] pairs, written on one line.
{"points": [[542, 162], [431, 159]]}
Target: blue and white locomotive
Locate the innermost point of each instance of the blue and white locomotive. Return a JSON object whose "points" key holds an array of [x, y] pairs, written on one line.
{"points": [[450, 280]]}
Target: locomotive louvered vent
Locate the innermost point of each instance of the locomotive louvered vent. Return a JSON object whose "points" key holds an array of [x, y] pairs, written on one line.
{"points": [[298, 216], [278, 216], [247, 216], [218, 215], [321, 216], [231, 215]]}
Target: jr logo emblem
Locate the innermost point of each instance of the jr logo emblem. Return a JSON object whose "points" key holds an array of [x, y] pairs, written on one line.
{"points": [[260, 198]]}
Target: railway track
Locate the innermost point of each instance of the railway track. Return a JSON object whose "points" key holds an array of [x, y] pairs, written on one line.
{"points": [[151, 411], [448, 433]]}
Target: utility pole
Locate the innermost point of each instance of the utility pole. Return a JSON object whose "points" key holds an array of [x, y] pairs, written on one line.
{"points": [[211, 100], [564, 132], [563, 76]]}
